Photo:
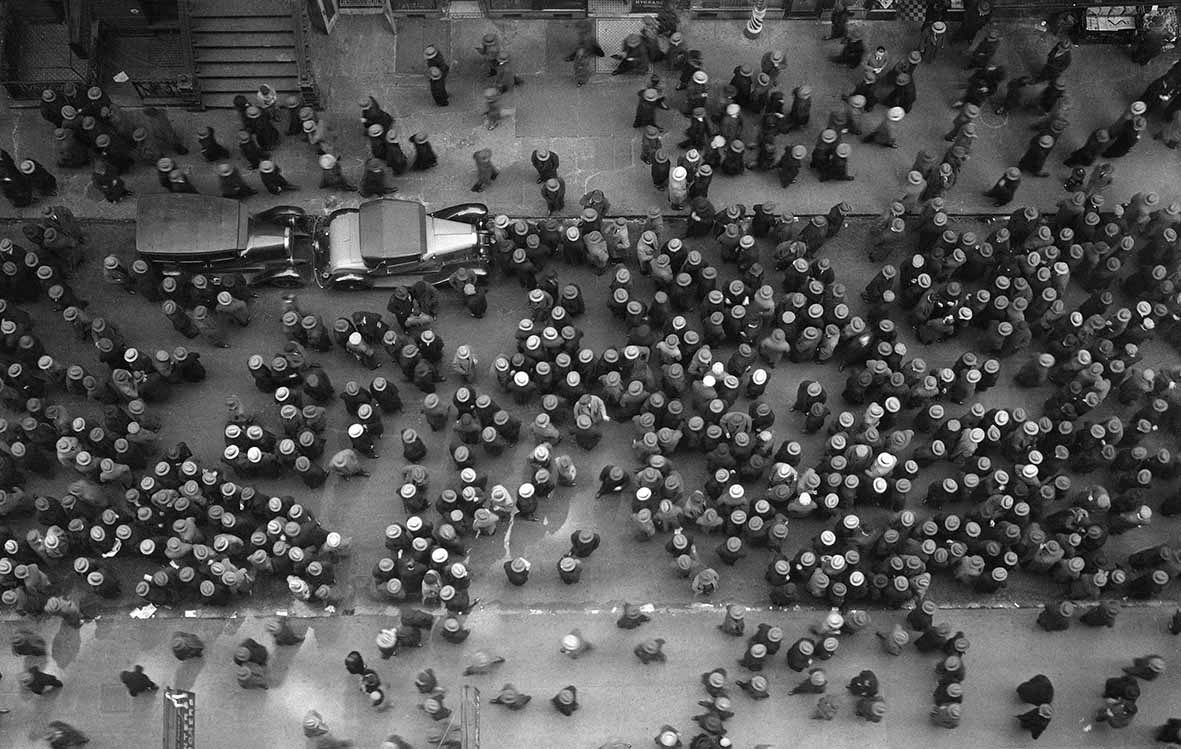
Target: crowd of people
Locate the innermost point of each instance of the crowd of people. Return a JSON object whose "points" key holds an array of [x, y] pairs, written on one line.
{"points": [[705, 319], [732, 127]]}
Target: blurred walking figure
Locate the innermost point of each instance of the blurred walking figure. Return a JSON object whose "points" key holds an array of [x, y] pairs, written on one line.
{"points": [[137, 682]]}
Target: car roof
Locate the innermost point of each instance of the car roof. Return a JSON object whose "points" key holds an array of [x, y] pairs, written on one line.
{"points": [[187, 224], [392, 228]]}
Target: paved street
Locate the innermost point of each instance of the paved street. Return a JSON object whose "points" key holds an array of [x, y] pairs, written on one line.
{"points": [[620, 698], [589, 129]]}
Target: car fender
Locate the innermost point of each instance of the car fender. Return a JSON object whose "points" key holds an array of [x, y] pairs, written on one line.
{"points": [[350, 281], [286, 277], [285, 215], [468, 213]]}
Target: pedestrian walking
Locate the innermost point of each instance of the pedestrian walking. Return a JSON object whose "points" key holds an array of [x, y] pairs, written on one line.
{"points": [[137, 681], [489, 49], [186, 646], [251, 150], [506, 76], [493, 113], [678, 187], [886, 134], [1125, 137], [1033, 161], [231, 183], [39, 179], [934, 37], [331, 176], [110, 184], [61, 735], [566, 700], [486, 172], [1089, 152], [838, 17], [1037, 720], [583, 65], [434, 59], [1004, 189], [38, 682], [424, 153], [273, 179], [251, 676], [648, 103], [1147, 667], [546, 163], [1057, 62], [437, 82], [511, 698], [282, 632], [373, 180], [347, 464], [211, 150], [553, 192], [27, 643], [1036, 690]]}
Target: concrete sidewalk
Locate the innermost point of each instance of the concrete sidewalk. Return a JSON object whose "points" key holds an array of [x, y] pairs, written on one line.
{"points": [[589, 127], [620, 698]]}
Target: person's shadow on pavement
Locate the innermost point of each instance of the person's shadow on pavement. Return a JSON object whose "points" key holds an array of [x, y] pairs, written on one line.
{"points": [[66, 645], [186, 673]]}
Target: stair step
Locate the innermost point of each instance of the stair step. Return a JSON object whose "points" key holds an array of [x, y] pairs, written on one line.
{"points": [[239, 25], [255, 71], [254, 8], [248, 55], [226, 100], [227, 39], [246, 85]]}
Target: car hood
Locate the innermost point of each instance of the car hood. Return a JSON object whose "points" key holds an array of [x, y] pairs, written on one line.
{"points": [[392, 229], [186, 224]]}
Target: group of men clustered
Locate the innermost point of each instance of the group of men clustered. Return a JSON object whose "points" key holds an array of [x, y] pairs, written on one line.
{"points": [[1017, 498]]}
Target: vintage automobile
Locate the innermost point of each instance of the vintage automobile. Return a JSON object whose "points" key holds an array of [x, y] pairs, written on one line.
{"points": [[391, 242], [188, 233]]}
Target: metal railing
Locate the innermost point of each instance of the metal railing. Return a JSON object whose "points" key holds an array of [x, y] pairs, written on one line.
{"points": [[165, 89], [175, 83], [301, 23], [186, 83]]}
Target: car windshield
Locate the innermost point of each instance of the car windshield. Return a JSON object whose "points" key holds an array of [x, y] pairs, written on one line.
{"points": [[392, 230]]}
